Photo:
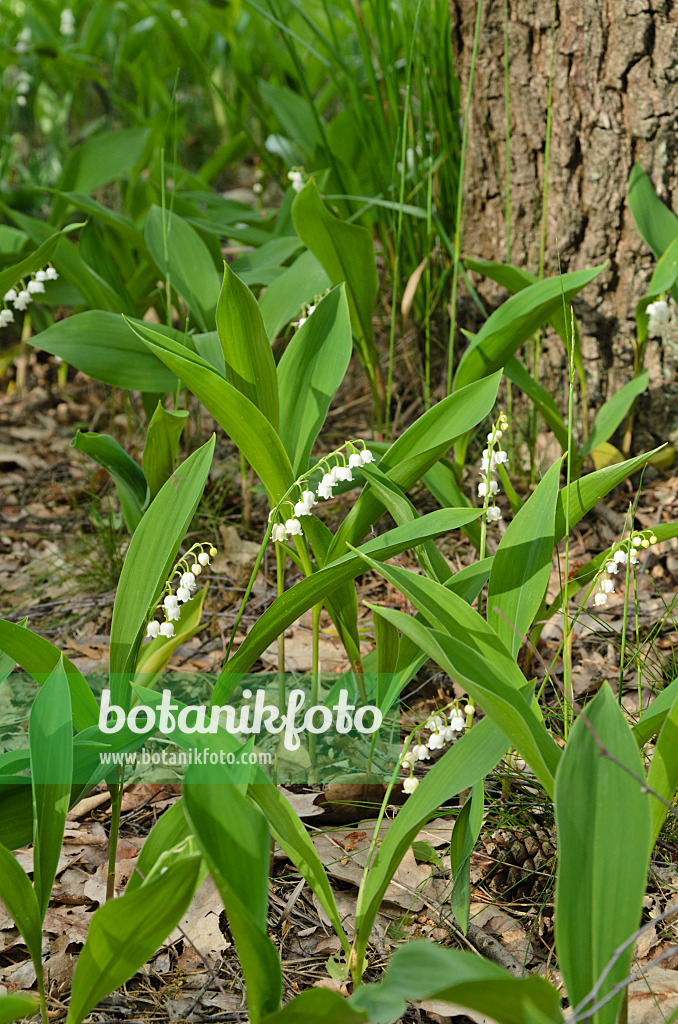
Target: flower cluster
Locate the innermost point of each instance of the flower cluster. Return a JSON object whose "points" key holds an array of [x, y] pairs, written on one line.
{"points": [[492, 457], [627, 554], [307, 499], [22, 298], [296, 176], [22, 87], [305, 315], [23, 40], [440, 734], [185, 572], [659, 318], [67, 25]]}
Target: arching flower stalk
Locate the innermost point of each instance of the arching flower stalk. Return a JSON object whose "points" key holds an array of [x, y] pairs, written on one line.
{"points": [[183, 576]]}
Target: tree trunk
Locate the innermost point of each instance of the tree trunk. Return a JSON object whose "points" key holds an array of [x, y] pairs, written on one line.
{"points": [[615, 101]]}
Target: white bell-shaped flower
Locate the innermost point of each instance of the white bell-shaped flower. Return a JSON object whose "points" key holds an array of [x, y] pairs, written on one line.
{"points": [[204, 558], [152, 629], [166, 629], [278, 533], [409, 785], [183, 594], [188, 580], [293, 527]]}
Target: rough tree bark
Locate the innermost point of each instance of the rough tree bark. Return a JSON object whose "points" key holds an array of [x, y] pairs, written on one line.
{"points": [[615, 101]]}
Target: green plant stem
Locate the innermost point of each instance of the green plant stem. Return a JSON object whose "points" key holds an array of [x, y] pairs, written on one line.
{"points": [[567, 658], [116, 791], [638, 663], [622, 653], [315, 672], [460, 199], [280, 580], [248, 589]]}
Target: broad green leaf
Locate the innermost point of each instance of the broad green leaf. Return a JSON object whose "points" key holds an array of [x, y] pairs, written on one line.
{"points": [[103, 158], [296, 286], [442, 484], [16, 811], [121, 224], [586, 492], [18, 896], [656, 223], [346, 251], [130, 481], [17, 1007], [149, 559], [516, 372], [248, 428], [611, 414], [603, 822], [36, 260], [499, 698], [466, 763], [248, 357], [125, 933], [655, 714], [464, 837], [100, 344], [522, 565], [186, 263], [402, 511], [316, 1004], [50, 738], [293, 602], [169, 831], [234, 839], [508, 327], [311, 369], [422, 970], [415, 451], [663, 774], [290, 833], [162, 446], [665, 273], [40, 658]]}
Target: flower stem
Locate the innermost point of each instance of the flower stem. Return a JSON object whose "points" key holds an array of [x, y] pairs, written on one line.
{"points": [[116, 807]]}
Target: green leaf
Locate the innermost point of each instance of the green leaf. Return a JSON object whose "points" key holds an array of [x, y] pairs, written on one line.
{"points": [[50, 738], [317, 1004], [36, 260], [234, 838], [415, 451], [293, 602], [346, 251], [586, 492], [126, 932], [170, 831], [655, 714], [248, 357], [130, 481], [17, 1007], [663, 774], [248, 428], [101, 345], [508, 327], [522, 564], [442, 484], [464, 838], [103, 158], [186, 264], [18, 896], [290, 833], [516, 372], [162, 446], [496, 692], [296, 286], [422, 970], [656, 223], [149, 559], [611, 414], [604, 842], [311, 369], [40, 658]]}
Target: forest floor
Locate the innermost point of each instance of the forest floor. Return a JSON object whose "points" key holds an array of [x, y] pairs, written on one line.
{"points": [[61, 551]]}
